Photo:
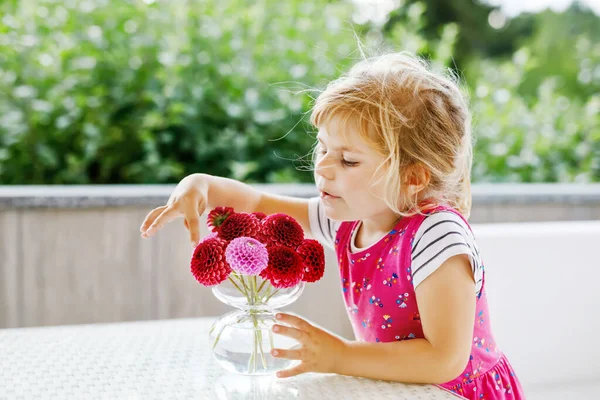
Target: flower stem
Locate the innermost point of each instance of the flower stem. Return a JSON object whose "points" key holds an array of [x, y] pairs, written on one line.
{"points": [[251, 291], [260, 287], [218, 337], [220, 332], [255, 349], [243, 282], [262, 352], [271, 340], [237, 287], [250, 362], [271, 295], [257, 330]]}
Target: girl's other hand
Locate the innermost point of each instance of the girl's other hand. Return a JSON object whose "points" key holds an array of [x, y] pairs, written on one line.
{"points": [[319, 350], [188, 200]]}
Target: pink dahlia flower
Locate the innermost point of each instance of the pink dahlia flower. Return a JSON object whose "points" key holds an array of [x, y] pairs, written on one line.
{"points": [[247, 256]]}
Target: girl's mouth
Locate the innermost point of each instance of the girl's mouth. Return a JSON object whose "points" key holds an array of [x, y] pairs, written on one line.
{"points": [[328, 196]]}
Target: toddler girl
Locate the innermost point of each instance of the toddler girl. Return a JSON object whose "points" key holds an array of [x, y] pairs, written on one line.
{"points": [[392, 166]]}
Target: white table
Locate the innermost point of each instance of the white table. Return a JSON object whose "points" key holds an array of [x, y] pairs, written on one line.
{"points": [[165, 359]]}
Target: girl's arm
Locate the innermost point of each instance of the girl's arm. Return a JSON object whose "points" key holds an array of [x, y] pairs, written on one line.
{"points": [[244, 198], [446, 301], [197, 192]]}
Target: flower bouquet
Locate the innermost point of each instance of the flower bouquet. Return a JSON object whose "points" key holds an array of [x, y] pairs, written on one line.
{"points": [[256, 263]]}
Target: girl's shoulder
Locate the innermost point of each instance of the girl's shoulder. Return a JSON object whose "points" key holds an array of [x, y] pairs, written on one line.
{"points": [[432, 213], [441, 234]]}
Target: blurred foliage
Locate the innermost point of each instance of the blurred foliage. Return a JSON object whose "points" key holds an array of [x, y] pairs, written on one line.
{"points": [[553, 139], [563, 46], [476, 37], [113, 91], [537, 113]]}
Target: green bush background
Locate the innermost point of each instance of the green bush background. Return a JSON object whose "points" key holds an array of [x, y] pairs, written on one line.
{"points": [[113, 91]]}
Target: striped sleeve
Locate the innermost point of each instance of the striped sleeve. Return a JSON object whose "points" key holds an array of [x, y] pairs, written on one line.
{"points": [[322, 228], [443, 235]]}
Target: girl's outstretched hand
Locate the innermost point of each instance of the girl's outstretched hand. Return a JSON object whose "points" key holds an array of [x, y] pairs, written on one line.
{"points": [[320, 351], [188, 200]]}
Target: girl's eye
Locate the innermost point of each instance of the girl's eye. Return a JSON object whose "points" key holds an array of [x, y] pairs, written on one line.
{"points": [[349, 163], [322, 151]]}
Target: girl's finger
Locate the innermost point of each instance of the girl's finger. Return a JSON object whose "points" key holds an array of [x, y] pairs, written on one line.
{"points": [[192, 218], [150, 218], [294, 321], [165, 217], [300, 336], [289, 354], [287, 373]]}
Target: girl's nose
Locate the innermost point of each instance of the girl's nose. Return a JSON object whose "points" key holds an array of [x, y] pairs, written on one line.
{"points": [[324, 168]]}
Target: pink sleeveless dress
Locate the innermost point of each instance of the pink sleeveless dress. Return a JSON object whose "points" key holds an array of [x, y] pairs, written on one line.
{"points": [[381, 304]]}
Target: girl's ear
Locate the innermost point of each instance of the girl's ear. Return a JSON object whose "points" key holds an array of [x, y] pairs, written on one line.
{"points": [[417, 178]]}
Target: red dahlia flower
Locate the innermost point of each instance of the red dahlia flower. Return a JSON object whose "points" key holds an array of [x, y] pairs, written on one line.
{"points": [[284, 269], [313, 258], [217, 216], [238, 225], [282, 230], [208, 264]]}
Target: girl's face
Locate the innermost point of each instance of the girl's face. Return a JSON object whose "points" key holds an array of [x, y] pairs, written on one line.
{"points": [[345, 170]]}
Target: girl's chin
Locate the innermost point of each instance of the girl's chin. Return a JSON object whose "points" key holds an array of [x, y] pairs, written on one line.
{"points": [[337, 215]]}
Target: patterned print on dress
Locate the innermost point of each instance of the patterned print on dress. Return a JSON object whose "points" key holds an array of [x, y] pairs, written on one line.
{"points": [[391, 280], [391, 234], [499, 384], [417, 317], [387, 322], [379, 265], [481, 343], [376, 301], [353, 309], [412, 239], [366, 323], [405, 337], [394, 250], [401, 300], [470, 377], [359, 287], [345, 285], [366, 285], [363, 258], [480, 317]]}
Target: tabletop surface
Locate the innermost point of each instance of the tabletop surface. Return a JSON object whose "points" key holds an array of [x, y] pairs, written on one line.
{"points": [[164, 359]]}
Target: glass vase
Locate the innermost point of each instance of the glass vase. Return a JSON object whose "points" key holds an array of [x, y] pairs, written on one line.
{"points": [[242, 340]]}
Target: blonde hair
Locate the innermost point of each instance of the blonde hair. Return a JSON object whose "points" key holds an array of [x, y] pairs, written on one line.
{"points": [[413, 117]]}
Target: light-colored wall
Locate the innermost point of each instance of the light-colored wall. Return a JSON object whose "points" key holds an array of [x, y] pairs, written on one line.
{"points": [[70, 266], [542, 287], [74, 255]]}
